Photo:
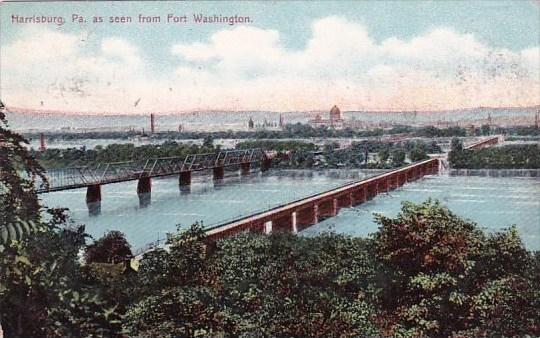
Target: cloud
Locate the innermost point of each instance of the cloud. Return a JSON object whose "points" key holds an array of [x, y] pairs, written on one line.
{"points": [[249, 68], [341, 63], [62, 71], [116, 47]]}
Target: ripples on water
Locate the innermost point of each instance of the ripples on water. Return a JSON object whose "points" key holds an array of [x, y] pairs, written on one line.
{"points": [[494, 203]]}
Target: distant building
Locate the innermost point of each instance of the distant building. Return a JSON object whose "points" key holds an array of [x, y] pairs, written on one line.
{"points": [[251, 124], [335, 120], [281, 121], [335, 114]]}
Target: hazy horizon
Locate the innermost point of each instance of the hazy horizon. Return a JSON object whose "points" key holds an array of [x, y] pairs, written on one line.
{"points": [[20, 110]]}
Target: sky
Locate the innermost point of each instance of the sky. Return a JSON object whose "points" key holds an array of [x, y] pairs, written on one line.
{"points": [[288, 56]]}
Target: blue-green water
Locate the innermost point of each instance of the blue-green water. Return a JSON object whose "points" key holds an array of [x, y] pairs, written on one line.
{"points": [[494, 203], [207, 202]]}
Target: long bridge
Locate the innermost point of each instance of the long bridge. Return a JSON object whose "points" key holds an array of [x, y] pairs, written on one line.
{"points": [[290, 217], [93, 177], [300, 214]]}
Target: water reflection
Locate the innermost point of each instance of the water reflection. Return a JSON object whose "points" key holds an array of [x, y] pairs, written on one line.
{"points": [[492, 202]]}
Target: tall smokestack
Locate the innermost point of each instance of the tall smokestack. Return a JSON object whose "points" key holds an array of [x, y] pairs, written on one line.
{"points": [[152, 123], [41, 142]]}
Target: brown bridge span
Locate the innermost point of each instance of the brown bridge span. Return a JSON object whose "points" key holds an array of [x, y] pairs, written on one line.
{"points": [[305, 212]]}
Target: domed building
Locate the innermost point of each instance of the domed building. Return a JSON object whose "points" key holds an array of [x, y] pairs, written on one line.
{"points": [[335, 120], [335, 114]]}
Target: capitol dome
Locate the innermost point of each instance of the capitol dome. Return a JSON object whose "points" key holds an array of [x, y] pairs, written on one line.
{"points": [[335, 113]]}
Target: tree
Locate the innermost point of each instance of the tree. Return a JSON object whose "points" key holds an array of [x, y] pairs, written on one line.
{"points": [[19, 207], [418, 153], [208, 141], [398, 157], [485, 129], [111, 248], [441, 276], [383, 155], [41, 289], [456, 145]]}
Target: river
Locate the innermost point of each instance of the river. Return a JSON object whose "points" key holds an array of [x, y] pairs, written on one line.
{"points": [[493, 202]]}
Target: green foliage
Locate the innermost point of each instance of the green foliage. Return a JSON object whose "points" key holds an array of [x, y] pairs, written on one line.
{"points": [[526, 156], [442, 276], [58, 158], [297, 130], [16, 231], [208, 141], [42, 293], [253, 285], [418, 153], [398, 157], [111, 248], [383, 155], [425, 273], [19, 208], [282, 146], [357, 155], [432, 131], [485, 129]]}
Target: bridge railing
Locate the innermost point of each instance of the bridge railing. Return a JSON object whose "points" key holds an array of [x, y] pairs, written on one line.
{"points": [[103, 173]]}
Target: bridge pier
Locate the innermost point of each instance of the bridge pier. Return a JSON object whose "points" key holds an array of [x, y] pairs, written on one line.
{"points": [[306, 217], [144, 185], [393, 182], [219, 173], [409, 176], [328, 208], [358, 196], [434, 167], [93, 199], [401, 179], [266, 164], [283, 223], [258, 227], [245, 168], [184, 178], [382, 185], [145, 199], [345, 201], [372, 190], [144, 191]]}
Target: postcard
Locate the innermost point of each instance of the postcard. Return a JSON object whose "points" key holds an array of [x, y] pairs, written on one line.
{"points": [[269, 168]]}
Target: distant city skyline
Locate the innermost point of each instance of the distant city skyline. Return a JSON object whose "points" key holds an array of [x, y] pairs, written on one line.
{"points": [[300, 56]]}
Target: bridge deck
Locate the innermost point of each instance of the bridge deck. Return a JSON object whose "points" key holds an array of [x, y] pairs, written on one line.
{"points": [[107, 173], [217, 231]]}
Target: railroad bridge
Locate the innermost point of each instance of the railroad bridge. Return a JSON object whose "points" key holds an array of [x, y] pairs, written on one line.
{"points": [[300, 214], [93, 177], [290, 217]]}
